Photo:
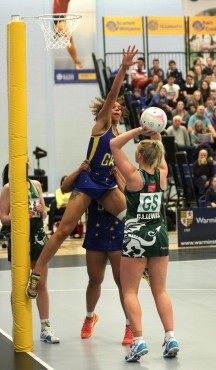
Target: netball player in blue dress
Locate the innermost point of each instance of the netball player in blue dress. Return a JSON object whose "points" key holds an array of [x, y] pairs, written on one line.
{"points": [[103, 241], [97, 184]]}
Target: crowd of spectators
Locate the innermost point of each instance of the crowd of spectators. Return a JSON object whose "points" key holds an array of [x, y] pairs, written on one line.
{"points": [[189, 102]]}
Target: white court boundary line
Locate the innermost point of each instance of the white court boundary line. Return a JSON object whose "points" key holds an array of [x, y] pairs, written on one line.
{"points": [[36, 358]]}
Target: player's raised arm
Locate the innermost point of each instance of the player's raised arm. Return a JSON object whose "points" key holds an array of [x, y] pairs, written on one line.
{"points": [[103, 117]]}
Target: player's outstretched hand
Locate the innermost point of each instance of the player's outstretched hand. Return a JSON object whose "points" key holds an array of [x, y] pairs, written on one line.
{"points": [[128, 56]]}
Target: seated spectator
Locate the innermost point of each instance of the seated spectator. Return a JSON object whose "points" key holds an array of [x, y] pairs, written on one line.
{"points": [[139, 77], [161, 95], [203, 172], [191, 109], [180, 111], [198, 76], [200, 115], [197, 61], [205, 91], [208, 69], [152, 89], [210, 196], [58, 205], [188, 88], [213, 95], [213, 118], [139, 99], [195, 99], [209, 108], [167, 110], [182, 139], [155, 70], [214, 73], [172, 91], [176, 73], [212, 85], [197, 141]]}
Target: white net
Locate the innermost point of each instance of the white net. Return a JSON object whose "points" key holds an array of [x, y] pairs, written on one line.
{"points": [[57, 29]]}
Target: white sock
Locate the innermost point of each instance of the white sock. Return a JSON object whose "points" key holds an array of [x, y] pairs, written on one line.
{"points": [[127, 322], [136, 339], [169, 335], [44, 322], [90, 314]]}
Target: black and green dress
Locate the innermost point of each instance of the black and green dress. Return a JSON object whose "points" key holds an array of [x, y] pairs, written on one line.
{"points": [[38, 236], [145, 232]]}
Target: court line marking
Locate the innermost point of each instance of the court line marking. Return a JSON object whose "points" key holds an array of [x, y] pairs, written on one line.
{"points": [[36, 358]]}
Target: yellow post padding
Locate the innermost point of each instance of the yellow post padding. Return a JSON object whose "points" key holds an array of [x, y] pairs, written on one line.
{"points": [[22, 309]]}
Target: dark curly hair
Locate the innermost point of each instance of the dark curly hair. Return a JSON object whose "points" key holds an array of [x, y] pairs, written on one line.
{"points": [[98, 104]]}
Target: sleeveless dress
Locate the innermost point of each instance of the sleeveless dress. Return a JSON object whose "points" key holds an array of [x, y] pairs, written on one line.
{"points": [[145, 232], [99, 179], [104, 232], [38, 236]]}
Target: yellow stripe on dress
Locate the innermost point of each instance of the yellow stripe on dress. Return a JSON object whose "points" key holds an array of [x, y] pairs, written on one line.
{"points": [[94, 147]]}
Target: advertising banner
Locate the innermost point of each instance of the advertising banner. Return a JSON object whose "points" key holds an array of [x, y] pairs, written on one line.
{"points": [[196, 226], [121, 26], [165, 25]]}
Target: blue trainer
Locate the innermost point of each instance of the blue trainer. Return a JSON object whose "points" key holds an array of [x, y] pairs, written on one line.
{"points": [[138, 349], [171, 348]]}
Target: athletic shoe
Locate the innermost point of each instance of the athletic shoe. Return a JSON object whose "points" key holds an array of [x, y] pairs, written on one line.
{"points": [[128, 337], [32, 286], [145, 276], [171, 348], [88, 326], [138, 349], [47, 335]]}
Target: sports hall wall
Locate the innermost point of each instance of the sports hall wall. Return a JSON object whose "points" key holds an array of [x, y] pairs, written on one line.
{"points": [[59, 118]]}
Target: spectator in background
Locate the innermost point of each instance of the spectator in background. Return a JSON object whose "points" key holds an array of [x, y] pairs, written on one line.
{"points": [[139, 99], [198, 76], [209, 108], [212, 84], [195, 99], [214, 73], [188, 88], [191, 109], [203, 172], [180, 111], [182, 139], [152, 89], [197, 61], [176, 73], [139, 76], [205, 91], [208, 69], [197, 143], [200, 115], [155, 70], [213, 95], [213, 118], [210, 196], [172, 91], [160, 100]]}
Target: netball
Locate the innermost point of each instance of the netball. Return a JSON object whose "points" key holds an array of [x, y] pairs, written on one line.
{"points": [[154, 119]]}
